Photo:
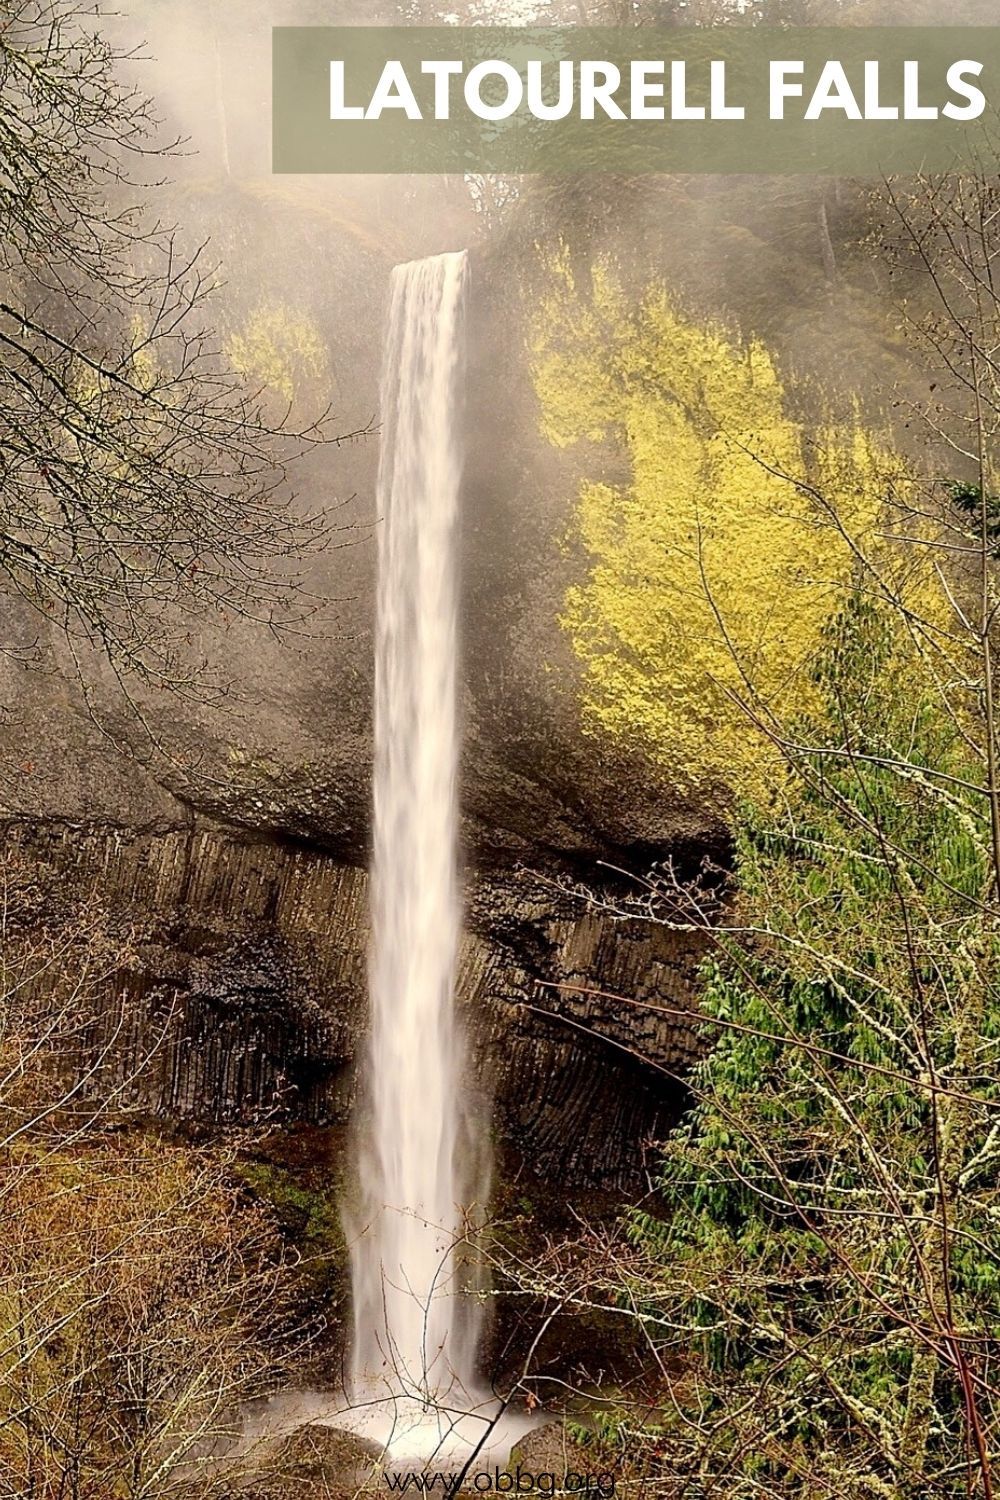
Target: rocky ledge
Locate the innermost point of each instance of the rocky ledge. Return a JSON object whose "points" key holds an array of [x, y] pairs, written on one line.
{"points": [[246, 996]]}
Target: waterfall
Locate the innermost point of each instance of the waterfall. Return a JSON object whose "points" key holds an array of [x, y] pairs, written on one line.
{"points": [[422, 1171], [414, 1330]]}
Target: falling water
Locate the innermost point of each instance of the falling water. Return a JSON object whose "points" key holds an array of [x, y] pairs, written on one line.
{"points": [[422, 1170], [414, 1330]]}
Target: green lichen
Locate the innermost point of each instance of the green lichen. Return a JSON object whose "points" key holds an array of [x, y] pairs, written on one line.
{"points": [[281, 349], [714, 564]]}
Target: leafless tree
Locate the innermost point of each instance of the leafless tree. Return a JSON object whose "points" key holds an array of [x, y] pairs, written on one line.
{"points": [[144, 1296], [142, 487], [842, 1292]]}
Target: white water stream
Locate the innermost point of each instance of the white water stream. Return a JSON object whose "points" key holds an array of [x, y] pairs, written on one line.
{"points": [[421, 1177]]}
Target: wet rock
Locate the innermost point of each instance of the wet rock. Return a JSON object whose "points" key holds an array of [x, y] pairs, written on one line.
{"points": [[548, 1449], [249, 975]]}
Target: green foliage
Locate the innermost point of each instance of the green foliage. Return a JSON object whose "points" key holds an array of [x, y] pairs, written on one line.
{"points": [[606, 1429], [967, 500], [829, 1223]]}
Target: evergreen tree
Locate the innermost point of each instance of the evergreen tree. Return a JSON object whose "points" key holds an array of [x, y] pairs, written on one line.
{"points": [[828, 1237]]}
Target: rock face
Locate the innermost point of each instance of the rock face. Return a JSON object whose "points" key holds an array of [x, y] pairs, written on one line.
{"points": [[276, 736], [246, 998], [230, 832]]}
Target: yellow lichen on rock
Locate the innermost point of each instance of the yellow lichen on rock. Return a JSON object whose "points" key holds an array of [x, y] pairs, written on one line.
{"points": [[715, 537], [279, 348]]}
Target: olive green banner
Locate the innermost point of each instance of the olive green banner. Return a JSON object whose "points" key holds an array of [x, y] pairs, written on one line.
{"points": [[858, 102]]}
